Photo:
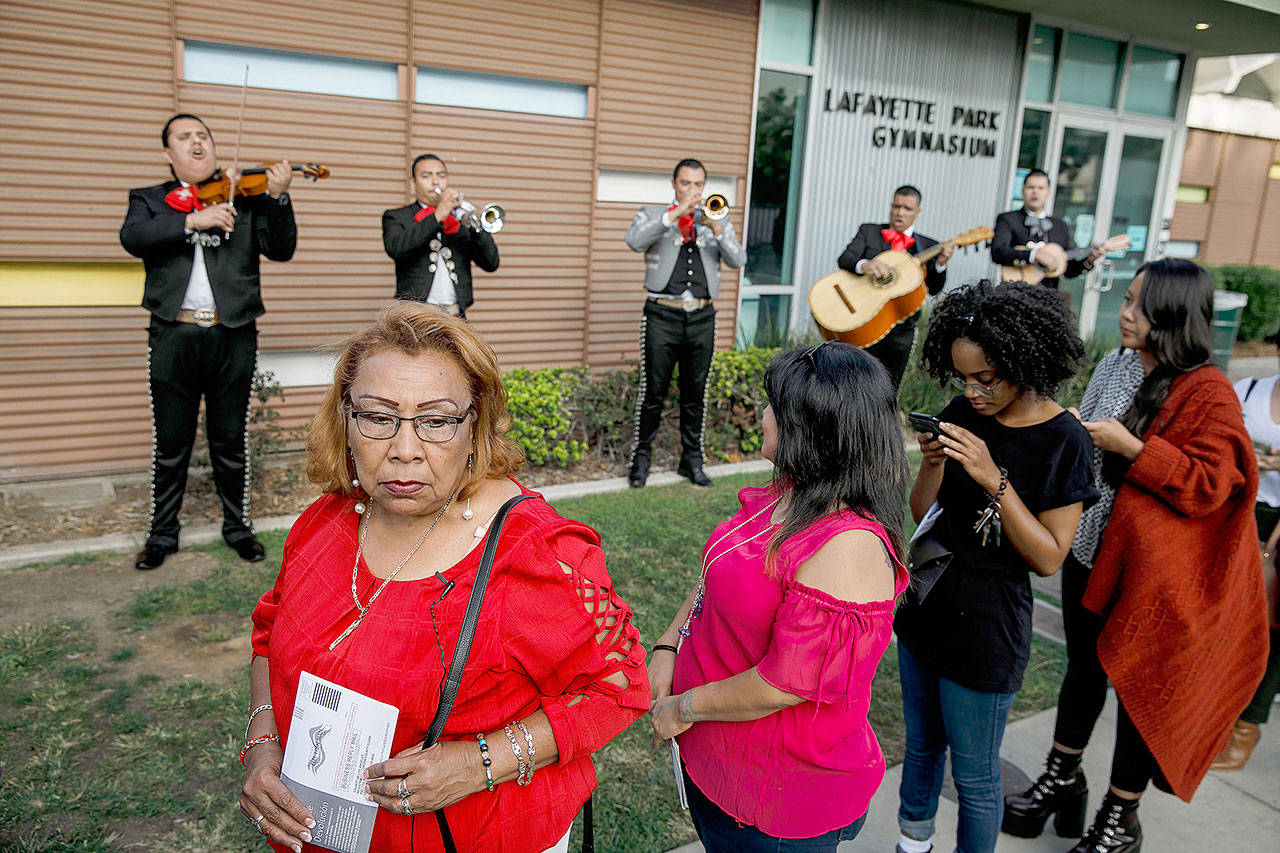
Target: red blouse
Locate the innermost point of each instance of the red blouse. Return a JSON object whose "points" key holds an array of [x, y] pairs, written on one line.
{"points": [[535, 646]]}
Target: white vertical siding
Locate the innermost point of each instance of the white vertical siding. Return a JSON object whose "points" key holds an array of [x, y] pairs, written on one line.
{"points": [[944, 53]]}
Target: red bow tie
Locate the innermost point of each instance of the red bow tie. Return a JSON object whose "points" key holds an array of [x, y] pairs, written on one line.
{"points": [[184, 200], [897, 241], [450, 225], [685, 224]]}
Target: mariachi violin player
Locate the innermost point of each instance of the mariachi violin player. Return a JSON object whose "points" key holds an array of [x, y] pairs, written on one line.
{"points": [[203, 295]]}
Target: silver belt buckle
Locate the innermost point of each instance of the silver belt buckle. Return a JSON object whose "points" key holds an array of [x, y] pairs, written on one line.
{"points": [[205, 317], [688, 302]]}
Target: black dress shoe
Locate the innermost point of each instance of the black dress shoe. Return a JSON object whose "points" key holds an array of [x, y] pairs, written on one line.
{"points": [[152, 557], [250, 550], [639, 472], [695, 474]]}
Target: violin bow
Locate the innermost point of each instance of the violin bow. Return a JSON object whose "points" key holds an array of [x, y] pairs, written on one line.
{"points": [[235, 160]]}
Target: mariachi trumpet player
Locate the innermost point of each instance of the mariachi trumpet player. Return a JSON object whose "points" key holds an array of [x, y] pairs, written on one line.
{"points": [[436, 238], [683, 244]]}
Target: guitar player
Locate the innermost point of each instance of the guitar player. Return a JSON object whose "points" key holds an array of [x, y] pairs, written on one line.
{"points": [[898, 234], [1029, 225]]}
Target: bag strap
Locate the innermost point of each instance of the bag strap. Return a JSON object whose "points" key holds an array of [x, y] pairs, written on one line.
{"points": [[460, 653]]}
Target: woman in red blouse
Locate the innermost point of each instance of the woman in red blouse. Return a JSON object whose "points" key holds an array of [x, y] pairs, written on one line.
{"points": [[410, 447]]}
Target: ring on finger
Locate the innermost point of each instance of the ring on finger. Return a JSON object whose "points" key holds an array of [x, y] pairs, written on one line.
{"points": [[402, 790], [257, 824], [405, 807]]}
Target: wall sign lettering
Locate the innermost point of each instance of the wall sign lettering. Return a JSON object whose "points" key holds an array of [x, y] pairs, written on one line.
{"points": [[928, 134]]}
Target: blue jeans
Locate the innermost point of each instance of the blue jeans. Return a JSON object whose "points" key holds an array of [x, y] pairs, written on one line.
{"points": [[722, 833], [940, 713]]}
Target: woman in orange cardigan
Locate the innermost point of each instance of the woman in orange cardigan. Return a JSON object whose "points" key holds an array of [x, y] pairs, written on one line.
{"points": [[1177, 577]]}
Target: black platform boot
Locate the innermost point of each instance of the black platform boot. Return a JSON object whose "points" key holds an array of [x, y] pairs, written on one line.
{"points": [[1060, 791], [1115, 829]]}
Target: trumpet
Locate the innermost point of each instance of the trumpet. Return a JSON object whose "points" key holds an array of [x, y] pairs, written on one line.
{"points": [[489, 218], [715, 206]]}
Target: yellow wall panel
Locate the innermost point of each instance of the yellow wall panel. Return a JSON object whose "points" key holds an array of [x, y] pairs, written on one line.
{"points": [[83, 284]]}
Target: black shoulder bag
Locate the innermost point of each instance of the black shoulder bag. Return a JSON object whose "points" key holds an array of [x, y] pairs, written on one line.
{"points": [[460, 653]]}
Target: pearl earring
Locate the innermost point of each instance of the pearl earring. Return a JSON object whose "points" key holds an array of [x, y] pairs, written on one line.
{"points": [[355, 484], [467, 513]]}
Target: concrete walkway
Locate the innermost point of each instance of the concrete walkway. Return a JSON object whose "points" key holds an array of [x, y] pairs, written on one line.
{"points": [[1230, 811], [41, 552]]}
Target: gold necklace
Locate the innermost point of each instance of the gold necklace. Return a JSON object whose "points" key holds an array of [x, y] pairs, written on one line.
{"points": [[364, 530], [696, 610]]}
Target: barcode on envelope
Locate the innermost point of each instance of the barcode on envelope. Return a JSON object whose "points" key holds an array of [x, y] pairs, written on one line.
{"points": [[326, 696]]}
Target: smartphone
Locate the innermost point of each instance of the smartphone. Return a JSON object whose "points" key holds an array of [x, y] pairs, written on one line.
{"points": [[921, 422]]}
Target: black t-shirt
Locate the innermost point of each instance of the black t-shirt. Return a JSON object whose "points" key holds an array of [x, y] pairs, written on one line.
{"points": [[974, 627]]}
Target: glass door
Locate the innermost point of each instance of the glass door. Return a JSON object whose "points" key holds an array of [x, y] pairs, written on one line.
{"points": [[1079, 193], [1133, 215], [1106, 185]]}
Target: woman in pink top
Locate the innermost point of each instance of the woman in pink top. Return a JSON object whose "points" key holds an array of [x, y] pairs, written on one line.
{"points": [[769, 690]]}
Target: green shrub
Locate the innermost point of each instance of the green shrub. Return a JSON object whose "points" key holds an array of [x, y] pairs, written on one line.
{"points": [[735, 400], [1262, 285], [541, 402], [605, 408], [560, 414]]}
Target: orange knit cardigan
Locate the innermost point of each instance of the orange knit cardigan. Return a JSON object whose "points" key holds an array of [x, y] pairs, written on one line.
{"points": [[1179, 580]]}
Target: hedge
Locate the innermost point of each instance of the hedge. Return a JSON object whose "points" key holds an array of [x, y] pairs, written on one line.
{"points": [[564, 414], [1261, 317]]}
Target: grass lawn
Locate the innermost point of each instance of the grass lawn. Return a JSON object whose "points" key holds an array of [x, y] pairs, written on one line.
{"points": [[94, 760]]}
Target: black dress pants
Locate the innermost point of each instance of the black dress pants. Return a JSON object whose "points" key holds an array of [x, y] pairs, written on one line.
{"points": [[1084, 688], [184, 363], [894, 349], [671, 336]]}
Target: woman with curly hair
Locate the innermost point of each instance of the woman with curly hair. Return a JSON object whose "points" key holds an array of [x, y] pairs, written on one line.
{"points": [[1005, 484], [1177, 585]]}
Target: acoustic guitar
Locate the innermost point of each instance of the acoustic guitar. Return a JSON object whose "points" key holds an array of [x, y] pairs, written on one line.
{"points": [[861, 309], [1051, 259]]}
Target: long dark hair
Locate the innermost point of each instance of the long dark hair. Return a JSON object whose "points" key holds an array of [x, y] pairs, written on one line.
{"points": [[839, 440], [1177, 299]]}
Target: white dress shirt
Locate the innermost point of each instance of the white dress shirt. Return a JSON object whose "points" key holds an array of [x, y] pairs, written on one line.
{"points": [[442, 290], [199, 292]]}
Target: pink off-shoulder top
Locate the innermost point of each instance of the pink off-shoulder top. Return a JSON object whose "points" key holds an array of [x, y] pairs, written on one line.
{"points": [[812, 767]]}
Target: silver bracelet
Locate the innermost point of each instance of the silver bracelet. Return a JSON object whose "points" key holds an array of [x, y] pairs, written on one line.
{"points": [[528, 739], [515, 747], [252, 714]]}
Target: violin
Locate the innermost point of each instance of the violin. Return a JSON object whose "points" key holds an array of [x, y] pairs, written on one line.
{"points": [[252, 182]]}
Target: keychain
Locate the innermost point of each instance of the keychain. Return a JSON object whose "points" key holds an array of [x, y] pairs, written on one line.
{"points": [[988, 525]]}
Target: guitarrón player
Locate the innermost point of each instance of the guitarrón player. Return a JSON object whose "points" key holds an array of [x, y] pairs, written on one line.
{"points": [[1021, 233], [898, 234]]}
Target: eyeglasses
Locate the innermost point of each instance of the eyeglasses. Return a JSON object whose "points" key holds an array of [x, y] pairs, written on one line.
{"points": [[382, 426], [981, 390]]}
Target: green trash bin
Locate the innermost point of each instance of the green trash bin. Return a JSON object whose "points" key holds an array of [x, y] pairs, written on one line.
{"points": [[1228, 308]]}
